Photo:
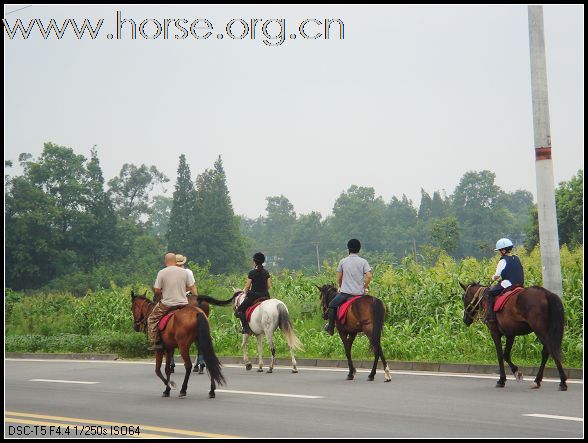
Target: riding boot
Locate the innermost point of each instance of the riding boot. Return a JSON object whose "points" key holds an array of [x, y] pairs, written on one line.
{"points": [[330, 328], [490, 314], [245, 329]]}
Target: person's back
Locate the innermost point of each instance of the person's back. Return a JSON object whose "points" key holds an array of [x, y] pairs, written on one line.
{"points": [[173, 282], [354, 269]]}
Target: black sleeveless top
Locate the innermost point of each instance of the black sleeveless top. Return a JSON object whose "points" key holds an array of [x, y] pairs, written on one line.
{"points": [[259, 280]]}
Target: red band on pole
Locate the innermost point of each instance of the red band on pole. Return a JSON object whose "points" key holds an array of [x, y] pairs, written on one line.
{"points": [[543, 153]]}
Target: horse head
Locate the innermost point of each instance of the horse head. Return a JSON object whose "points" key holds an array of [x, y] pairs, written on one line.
{"points": [[328, 292], [472, 297], [140, 308]]}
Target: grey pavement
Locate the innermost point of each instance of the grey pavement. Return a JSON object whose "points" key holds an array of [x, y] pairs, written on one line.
{"points": [[316, 402]]}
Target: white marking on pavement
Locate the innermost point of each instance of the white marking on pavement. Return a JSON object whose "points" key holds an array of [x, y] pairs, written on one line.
{"points": [[556, 417], [272, 394], [65, 381], [288, 368]]}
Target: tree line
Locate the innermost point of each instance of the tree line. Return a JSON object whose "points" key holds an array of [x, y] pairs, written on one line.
{"points": [[68, 228]]}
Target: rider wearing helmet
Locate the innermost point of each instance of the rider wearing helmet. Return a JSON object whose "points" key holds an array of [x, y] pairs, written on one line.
{"points": [[257, 286], [354, 277], [509, 269]]}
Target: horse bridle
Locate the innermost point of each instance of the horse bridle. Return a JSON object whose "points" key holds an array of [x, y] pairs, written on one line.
{"points": [[144, 317], [475, 302]]}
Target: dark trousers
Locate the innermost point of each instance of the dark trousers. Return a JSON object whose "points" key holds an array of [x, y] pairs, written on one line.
{"points": [[250, 300], [494, 292], [339, 300]]}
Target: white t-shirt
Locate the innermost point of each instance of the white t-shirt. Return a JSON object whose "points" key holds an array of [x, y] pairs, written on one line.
{"points": [[173, 282]]}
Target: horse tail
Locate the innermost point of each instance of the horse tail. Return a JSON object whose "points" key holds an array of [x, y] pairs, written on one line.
{"points": [[214, 301], [379, 311], [286, 327], [213, 365], [556, 325]]}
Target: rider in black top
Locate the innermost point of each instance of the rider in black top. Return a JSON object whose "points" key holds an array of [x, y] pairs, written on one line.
{"points": [[258, 284]]}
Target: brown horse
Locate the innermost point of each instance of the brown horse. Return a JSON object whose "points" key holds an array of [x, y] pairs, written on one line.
{"points": [[188, 325], [535, 309], [203, 302], [365, 315]]}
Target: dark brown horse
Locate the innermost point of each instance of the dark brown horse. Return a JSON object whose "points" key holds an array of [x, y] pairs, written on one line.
{"points": [[188, 325], [365, 315], [535, 309]]}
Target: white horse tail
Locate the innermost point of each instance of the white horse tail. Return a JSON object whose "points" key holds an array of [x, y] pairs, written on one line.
{"points": [[286, 327]]}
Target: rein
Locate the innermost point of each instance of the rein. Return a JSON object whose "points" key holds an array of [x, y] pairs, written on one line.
{"points": [[475, 303], [143, 320]]}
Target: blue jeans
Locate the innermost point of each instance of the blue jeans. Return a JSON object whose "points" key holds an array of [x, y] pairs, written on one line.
{"points": [[339, 300]]}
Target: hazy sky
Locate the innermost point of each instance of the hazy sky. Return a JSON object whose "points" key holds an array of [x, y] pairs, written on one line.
{"points": [[413, 96]]}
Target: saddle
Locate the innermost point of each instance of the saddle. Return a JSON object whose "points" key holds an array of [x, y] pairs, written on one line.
{"points": [[344, 308], [252, 308], [503, 298], [163, 322]]}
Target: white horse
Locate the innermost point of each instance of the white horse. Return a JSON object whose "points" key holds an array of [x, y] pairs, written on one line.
{"points": [[265, 319]]}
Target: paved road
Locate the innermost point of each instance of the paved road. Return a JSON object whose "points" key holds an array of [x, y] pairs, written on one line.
{"points": [[316, 403]]}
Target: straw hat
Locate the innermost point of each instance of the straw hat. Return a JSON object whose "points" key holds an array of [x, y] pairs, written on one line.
{"points": [[180, 259]]}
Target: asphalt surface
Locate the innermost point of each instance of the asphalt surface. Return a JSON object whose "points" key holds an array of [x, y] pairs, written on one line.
{"points": [[313, 403]]}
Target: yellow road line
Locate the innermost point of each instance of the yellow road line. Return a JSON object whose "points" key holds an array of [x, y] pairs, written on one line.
{"points": [[73, 432], [111, 423]]}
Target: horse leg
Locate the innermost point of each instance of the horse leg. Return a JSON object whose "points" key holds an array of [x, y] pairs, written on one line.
{"points": [[184, 351], [294, 368], [563, 386], [496, 336], [270, 339], [169, 355], [245, 356], [173, 363], [387, 376], [539, 377], [260, 352], [158, 360], [514, 368], [373, 372], [347, 343]]}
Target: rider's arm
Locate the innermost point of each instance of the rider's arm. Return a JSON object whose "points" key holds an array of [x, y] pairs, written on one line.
{"points": [[193, 289], [339, 279], [368, 279], [269, 283], [499, 268], [247, 286]]}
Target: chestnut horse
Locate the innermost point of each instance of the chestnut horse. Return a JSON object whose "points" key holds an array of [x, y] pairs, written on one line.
{"points": [[534, 309], [365, 315], [203, 302], [188, 325]]}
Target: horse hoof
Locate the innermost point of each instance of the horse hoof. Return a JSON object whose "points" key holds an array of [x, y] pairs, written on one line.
{"points": [[211, 394], [350, 377], [519, 376], [294, 371], [500, 384], [182, 394], [172, 384], [165, 394], [171, 371], [248, 366], [387, 380], [535, 385], [563, 388], [370, 379], [260, 370]]}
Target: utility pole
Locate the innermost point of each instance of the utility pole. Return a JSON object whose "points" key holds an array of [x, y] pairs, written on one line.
{"points": [[548, 236], [318, 262]]}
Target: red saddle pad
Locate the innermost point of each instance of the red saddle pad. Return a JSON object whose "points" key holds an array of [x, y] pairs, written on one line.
{"points": [[164, 320], [342, 313], [501, 300], [250, 310]]}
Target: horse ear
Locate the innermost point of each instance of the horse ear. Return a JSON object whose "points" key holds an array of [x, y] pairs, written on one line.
{"points": [[462, 286], [132, 294]]}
